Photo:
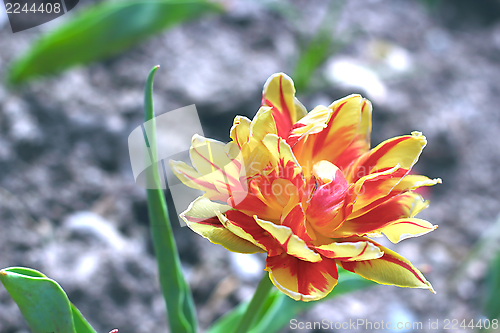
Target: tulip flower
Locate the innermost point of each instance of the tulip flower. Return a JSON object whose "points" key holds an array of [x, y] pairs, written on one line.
{"points": [[306, 189]]}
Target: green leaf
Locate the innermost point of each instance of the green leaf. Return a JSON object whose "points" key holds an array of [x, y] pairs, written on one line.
{"points": [[259, 304], [279, 308], [319, 48], [43, 303], [492, 304], [102, 31], [178, 298], [81, 324]]}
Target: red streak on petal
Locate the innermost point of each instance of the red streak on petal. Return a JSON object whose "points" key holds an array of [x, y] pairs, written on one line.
{"points": [[348, 156], [402, 264], [213, 221], [285, 244], [296, 221], [321, 137], [327, 202], [373, 157], [412, 223], [293, 138], [364, 249], [373, 187], [282, 116], [201, 182], [377, 218], [351, 265], [236, 136], [226, 176], [250, 203], [251, 227], [310, 276]]}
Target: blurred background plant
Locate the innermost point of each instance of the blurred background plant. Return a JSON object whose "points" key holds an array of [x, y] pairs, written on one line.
{"points": [[69, 203]]}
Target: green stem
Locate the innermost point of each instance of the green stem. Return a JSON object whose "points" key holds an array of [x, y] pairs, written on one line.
{"points": [[258, 299], [178, 298]]}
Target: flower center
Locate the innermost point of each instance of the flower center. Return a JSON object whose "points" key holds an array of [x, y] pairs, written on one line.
{"points": [[325, 209]]}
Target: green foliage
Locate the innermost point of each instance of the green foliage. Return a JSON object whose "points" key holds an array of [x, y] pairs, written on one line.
{"points": [[102, 31], [43, 303], [313, 56], [492, 304], [431, 4], [257, 307], [178, 298], [278, 308], [319, 48]]}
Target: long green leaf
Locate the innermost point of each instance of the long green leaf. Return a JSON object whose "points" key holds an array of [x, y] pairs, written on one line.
{"points": [[43, 303], [279, 308], [102, 31], [492, 304], [258, 305], [178, 298]]}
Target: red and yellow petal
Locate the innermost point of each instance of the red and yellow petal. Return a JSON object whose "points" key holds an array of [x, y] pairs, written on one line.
{"points": [[401, 229], [403, 151], [262, 124], [240, 132], [279, 94], [258, 200], [312, 123], [390, 269], [350, 250], [201, 217], [360, 143], [405, 205], [256, 158], [245, 227], [327, 202], [291, 243], [347, 126], [267, 196], [375, 189], [370, 188], [270, 199], [211, 160], [294, 217], [413, 182], [283, 161], [192, 178], [302, 280]]}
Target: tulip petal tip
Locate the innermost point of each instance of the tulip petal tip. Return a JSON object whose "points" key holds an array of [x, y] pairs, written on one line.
{"points": [[431, 289], [417, 134]]}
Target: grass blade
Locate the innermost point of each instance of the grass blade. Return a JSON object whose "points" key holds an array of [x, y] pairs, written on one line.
{"points": [[178, 298]]}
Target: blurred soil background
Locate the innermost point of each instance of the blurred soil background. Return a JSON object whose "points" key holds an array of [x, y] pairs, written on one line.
{"points": [[69, 206]]}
